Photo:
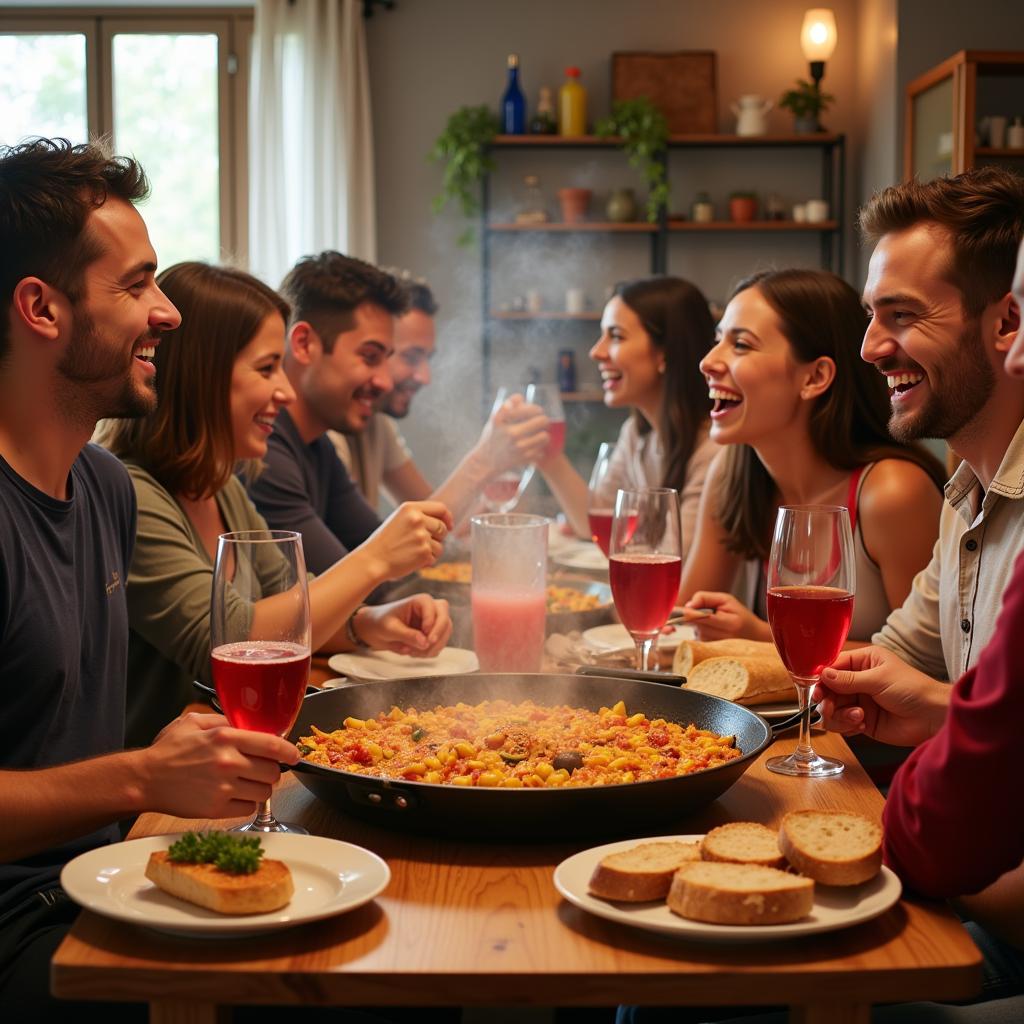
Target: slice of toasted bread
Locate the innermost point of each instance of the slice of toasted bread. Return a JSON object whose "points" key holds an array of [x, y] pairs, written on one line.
{"points": [[268, 888], [743, 842], [642, 873], [739, 894], [760, 680], [832, 847]]}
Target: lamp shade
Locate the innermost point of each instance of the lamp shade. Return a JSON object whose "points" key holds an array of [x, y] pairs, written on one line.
{"points": [[818, 35]]}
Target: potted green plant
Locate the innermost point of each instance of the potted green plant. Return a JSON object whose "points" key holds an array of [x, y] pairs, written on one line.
{"points": [[463, 147], [806, 102], [743, 206], [643, 131]]}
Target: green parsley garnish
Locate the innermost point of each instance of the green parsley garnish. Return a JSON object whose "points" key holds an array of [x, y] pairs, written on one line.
{"points": [[304, 748], [238, 856], [418, 733]]}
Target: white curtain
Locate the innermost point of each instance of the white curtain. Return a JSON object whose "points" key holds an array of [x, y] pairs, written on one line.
{"points": [[310, 139]]}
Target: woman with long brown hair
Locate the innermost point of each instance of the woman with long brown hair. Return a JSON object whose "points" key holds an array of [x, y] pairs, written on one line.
{"points": [[803, 419], [653, 334], [220, 386]]}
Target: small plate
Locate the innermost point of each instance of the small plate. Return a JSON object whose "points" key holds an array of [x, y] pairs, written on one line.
{"points": [[580, 554], [783, 709], [331, 877], [834, 907], [452, 661], [615, 637]]}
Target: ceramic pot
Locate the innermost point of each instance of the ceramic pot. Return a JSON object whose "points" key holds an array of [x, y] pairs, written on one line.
{"points": [[621, 206], [751, 115], [743, 208], [806, 125], [575, 203]]}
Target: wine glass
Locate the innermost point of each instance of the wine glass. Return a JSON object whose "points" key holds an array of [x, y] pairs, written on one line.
{"points": [[645, 563], [502, 493], [549, 399], [810, 604], [599, 508], [260, 637]]}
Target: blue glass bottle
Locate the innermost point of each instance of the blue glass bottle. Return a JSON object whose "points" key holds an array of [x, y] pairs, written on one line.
{"points": [[513, 103]]}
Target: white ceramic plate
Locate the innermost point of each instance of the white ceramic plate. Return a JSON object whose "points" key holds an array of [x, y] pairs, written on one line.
{"points": [[834, 907], [580, 554], [615, 637], [330, 877], [452, 661], [783, 709]]}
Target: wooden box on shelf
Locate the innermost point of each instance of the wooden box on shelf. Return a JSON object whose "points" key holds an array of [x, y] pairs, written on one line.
{"points": [[681, 85]]}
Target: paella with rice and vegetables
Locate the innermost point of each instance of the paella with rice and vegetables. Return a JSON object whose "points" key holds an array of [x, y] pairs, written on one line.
{"points": [[499, 743]]}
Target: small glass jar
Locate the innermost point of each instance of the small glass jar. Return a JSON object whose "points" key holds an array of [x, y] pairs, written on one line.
{"points": [[531, 207]]}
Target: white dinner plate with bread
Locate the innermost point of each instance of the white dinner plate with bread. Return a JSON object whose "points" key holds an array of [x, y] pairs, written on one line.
{"points": [[329, 876], [735, 883]]}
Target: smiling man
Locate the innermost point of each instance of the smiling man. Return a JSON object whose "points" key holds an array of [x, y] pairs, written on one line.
{"points": [[942, 320]]}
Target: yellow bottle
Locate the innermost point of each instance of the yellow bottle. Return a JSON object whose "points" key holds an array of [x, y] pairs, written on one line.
{"points": [[572, 105]]}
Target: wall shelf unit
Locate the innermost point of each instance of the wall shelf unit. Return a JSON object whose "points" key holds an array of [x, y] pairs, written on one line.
{"points": [[499, 231]]}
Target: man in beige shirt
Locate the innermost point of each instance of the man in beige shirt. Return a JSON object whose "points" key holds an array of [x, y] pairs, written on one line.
{"points": [[943, 317]]}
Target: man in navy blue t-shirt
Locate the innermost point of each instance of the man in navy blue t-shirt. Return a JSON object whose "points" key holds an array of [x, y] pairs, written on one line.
{"points": [[80, 316]]}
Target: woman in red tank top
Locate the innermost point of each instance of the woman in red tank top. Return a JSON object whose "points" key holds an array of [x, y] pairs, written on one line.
{"points": [[801, 419]]}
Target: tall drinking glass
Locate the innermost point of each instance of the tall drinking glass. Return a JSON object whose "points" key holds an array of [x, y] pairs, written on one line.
{"points": [[600, 509], [508, 594], [548, 398], [810, 605], [260, 637], [646, 563], [502, 493]]}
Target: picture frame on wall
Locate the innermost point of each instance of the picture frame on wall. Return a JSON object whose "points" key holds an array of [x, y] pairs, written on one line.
{"points": [[681, 84]]}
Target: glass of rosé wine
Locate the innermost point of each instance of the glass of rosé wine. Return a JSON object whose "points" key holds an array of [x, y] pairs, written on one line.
{"points": [[645, 563], [502, 492], [260, 637], [549, 400], [810, 605]]}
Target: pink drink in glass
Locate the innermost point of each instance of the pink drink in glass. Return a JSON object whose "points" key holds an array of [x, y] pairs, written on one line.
{"points": [[600, 520], [809, 626], [261, 683], [645, 588], [556, 439], [508, 629]]}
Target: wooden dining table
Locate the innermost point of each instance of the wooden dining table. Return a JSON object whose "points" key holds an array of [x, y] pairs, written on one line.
{"points": [[481, 924]]}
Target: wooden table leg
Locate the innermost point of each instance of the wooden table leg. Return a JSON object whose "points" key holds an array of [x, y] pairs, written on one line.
{"points": [[831, 1013], [180, 1011]]}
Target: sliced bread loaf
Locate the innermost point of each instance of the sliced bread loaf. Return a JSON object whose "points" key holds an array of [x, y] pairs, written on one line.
{"points": [[832, 847], [693, 652], [739, 894], [746, 680], [743, 842], [268, 888], [642, 873]]}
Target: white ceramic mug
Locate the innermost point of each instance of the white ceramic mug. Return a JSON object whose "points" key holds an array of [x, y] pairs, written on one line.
{"points": [[817, 210], [575, 300], [799, 212]]}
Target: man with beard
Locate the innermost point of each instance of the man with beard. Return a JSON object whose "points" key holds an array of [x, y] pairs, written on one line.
{"points": [[378, 458], [341, 337], [81, 317], [942, 319]]}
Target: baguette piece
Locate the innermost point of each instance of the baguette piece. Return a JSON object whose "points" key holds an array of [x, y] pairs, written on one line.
{"points": [[693, 652], [739, 894], [832, 847], [748, 680], [743, 842], [268, 888], [642, 873]]}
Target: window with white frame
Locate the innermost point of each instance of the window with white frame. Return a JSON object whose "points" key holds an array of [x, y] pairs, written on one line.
{"points": [[168, 87]]}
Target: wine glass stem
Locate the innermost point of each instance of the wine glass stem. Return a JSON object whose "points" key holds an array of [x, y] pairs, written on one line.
{"points": [[643, 652], [804, 751], [265, 818]]}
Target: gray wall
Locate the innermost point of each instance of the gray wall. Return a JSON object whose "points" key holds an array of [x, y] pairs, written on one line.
{"points": [[428, 57]]}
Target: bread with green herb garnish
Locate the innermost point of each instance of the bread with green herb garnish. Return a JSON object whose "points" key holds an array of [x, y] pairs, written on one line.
{"points": [[222, 872]]}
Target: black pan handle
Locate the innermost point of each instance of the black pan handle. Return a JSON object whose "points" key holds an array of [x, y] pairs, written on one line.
{"points": [[631, 673]]}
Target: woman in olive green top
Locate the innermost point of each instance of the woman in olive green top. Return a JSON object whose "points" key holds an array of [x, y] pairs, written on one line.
{"points": [[221, 384]]}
